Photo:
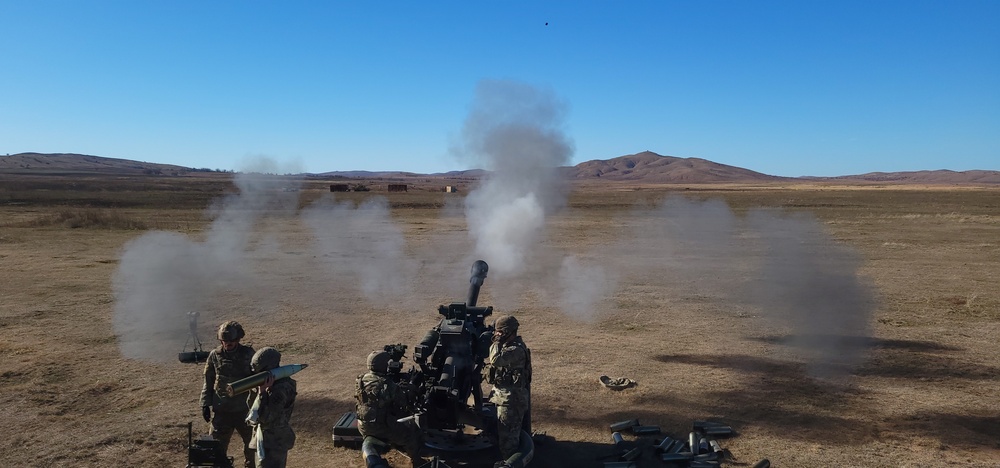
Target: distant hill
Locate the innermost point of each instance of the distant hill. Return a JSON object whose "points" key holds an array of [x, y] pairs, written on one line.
{"points": [[645, 167], [650, 167], [61, 163], [942, 176]]}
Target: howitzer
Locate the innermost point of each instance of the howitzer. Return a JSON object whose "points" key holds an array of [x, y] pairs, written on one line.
{"points": [[247, 383], [451, 357], [449, 363]]}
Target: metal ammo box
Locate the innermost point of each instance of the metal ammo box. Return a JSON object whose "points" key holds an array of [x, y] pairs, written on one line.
{"points": [[346, 433]]}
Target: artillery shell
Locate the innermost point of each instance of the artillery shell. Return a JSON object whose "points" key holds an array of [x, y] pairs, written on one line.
{"points": [[621, 426], [645, 430], [765, 463]]}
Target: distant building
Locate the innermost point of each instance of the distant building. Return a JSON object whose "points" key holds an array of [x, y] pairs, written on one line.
{"points": [[397, 187], [340, 188], [450, 189]]}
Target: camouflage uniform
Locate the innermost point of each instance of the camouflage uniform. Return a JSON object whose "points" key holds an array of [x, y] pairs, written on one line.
{"points": [[509, 371], [380, 402], [222, 368], [276, 405]]}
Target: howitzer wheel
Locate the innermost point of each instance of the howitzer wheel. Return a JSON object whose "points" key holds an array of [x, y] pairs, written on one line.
{"points": [[467, 440]]}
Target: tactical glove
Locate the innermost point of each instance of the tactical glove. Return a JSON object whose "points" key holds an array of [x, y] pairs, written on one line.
{"points": [[206, 412]]}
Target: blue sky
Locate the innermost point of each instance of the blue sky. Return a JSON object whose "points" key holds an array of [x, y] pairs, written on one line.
{"points": [[786, 88]]}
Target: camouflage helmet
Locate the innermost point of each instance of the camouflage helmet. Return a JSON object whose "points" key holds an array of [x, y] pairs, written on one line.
{"points": [[265, 359], [506, 324], [378, 361], [231, 331]]}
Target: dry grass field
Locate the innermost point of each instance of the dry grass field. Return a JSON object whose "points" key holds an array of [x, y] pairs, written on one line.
{"points": [[918, 386]]}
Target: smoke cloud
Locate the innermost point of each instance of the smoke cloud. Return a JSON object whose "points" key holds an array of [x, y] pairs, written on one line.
{"points": [[514, 131]]}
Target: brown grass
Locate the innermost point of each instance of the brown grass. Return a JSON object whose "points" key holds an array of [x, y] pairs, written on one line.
{"points": [[926, 395]]}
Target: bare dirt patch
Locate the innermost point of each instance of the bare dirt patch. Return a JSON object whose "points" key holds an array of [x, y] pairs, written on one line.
{"points": [[924, 393]]}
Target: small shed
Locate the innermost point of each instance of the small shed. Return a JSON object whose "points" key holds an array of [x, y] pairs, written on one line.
{"points": [[450, 189], [397, 187]]}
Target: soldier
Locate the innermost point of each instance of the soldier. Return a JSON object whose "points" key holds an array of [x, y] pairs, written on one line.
{"points": [[381, 401], [225, 364], [275, 400], [508, 369]]}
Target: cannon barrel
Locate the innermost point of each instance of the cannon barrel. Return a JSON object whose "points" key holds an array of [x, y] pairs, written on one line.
{"points": [[479, 270], [246, 383]]}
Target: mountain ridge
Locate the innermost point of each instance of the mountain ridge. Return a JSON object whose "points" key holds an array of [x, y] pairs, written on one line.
{"points": [[644, 167]]}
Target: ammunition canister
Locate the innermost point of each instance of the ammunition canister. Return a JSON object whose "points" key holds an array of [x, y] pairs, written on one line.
{"points": [[765, 463], [645, 430], [621, 426]]}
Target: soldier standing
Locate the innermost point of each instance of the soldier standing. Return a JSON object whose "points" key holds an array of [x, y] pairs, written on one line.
{"points": [[274, 400], [227, 363], [509, 371], [381, 401]]}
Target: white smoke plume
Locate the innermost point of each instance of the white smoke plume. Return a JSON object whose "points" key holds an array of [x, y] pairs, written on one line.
{"points": [[515, 131], [162, 276], [781, 266]]}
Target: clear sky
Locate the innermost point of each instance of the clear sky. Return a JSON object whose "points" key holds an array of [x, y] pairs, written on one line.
{"points": [[788, 88]]}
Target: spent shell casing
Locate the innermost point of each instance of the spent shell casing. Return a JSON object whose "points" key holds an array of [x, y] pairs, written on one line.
{"points": [[617, 437], [693, 439], [765, 463], [632, 454], [664, 445], [678, 446], [718, 431], [674, 457], [620, 464], [715, 446], [645, 430], [622, 425]]}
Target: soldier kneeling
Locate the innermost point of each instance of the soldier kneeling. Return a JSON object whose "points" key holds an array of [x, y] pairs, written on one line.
{"points": [[380, 403]]}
